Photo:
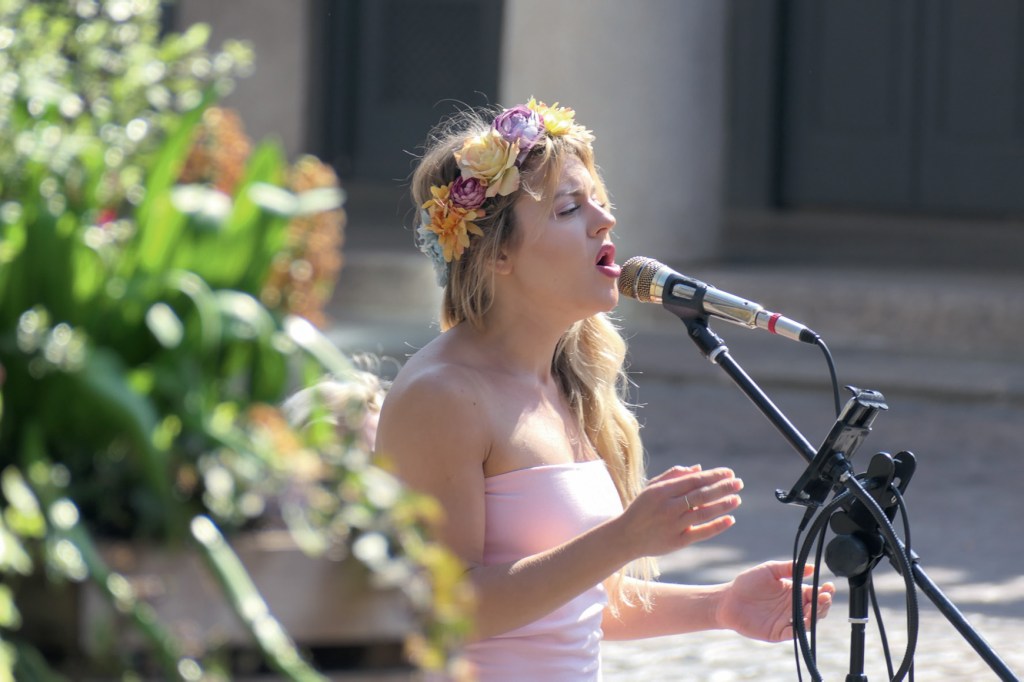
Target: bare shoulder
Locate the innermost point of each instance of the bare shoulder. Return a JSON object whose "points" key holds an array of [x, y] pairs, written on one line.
{"points": [[430, 372], [434, 428], [435, 405], [429, 384]]}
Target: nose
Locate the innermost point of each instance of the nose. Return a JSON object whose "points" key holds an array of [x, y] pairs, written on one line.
{"points": [[602, 220]]}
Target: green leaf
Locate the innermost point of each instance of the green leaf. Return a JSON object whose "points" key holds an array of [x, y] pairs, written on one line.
{"points": [[40, 274], [319, 200], [13, 556], [13, 237], [121, 594], [250, 318], [205, 302], [12, 232], [208, 206], [248, 603], [30, 666], [310, 339], [90, 275], [193, 39], [237, 255], [22, 515], [10, 618], [274, 199], [270, 372], [165, 325], [102, 384], [159, 224], [261, 359], [55, 268], [265, 170]]}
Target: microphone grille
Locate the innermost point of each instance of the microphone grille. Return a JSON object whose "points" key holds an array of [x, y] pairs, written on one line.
{"points": [[637, 276]]}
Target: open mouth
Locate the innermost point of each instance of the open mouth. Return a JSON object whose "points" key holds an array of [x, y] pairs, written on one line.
{"points": [[606, 256], [606, 262]]}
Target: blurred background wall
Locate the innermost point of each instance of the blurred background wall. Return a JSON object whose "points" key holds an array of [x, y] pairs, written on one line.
{"points": [[866, 134]]}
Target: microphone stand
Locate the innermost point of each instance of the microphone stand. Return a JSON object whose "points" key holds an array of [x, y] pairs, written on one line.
{"points": [[863, 525]]}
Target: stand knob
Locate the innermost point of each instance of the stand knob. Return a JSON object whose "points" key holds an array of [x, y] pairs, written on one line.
{"points": [[847, 556]]}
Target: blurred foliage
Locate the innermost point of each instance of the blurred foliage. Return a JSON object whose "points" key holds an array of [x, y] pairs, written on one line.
{"points": [[161, 279]]}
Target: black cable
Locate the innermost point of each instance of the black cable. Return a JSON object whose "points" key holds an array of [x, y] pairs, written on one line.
{"points": [[881, 627], [817, 576], [901, 505], [818, 526], [903, 566], [799, 632], [904, 517], [807, 517], [820, 343], [905, 520], [796, 549]]}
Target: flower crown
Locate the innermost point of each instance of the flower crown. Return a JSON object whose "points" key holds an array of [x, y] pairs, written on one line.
{"points": [[489, 166]]}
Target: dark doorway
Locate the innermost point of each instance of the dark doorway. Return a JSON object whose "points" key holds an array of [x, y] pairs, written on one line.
{"points": [[907, 106], [390, 70]]}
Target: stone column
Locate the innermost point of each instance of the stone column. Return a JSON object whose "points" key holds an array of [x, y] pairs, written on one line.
{"points": [[273, 101], [647, 76]]}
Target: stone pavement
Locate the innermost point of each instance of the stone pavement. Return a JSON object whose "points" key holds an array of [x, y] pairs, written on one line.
{"points": [[965, 510], [941, 347]]}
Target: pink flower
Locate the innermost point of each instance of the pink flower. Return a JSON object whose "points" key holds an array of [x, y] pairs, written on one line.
{"points": [[520, 124], [468, 192], [107, 215]]}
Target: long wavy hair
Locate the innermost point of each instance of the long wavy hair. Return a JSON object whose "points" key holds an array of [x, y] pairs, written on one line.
{"points": [[589, 359]]}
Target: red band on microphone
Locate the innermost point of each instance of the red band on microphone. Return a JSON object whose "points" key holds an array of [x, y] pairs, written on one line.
{"points": [[771, 322]]}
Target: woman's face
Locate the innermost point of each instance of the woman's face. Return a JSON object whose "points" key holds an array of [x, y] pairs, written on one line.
{"points": [[564, 258]]}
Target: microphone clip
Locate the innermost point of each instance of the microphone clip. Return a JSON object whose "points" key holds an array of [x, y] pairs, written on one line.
{"points": [[686, 308]]}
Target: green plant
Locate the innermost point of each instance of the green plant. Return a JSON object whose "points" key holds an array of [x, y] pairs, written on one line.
{"points": [[147, 334]]}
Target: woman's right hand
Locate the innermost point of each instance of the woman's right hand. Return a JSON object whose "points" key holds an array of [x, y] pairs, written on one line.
{"points": [[681, 506]]}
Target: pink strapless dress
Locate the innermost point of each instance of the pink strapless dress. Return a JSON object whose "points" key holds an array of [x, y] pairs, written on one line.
{"points": [[530, 511]]}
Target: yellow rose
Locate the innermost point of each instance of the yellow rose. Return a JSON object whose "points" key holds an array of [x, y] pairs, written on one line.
{"points": [[489, 158]]}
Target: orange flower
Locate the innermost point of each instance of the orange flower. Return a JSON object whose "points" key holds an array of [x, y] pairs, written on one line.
{"points": [[452, 224], [302, 276], [219, 152]]}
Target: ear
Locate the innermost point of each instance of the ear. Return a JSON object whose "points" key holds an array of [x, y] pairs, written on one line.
{"points": [[502, 265]]}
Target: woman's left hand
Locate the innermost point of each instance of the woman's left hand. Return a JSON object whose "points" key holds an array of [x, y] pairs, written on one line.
{"points": [[758, 602]]}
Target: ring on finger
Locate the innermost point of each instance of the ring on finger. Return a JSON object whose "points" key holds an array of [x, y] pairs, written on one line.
{"points": [[689, 506]]}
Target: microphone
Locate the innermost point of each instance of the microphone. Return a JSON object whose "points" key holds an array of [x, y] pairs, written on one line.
{"points": [[649, 281]]}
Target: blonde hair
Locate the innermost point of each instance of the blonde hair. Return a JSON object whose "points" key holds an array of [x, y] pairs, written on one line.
{"points": [[589, 359]]}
